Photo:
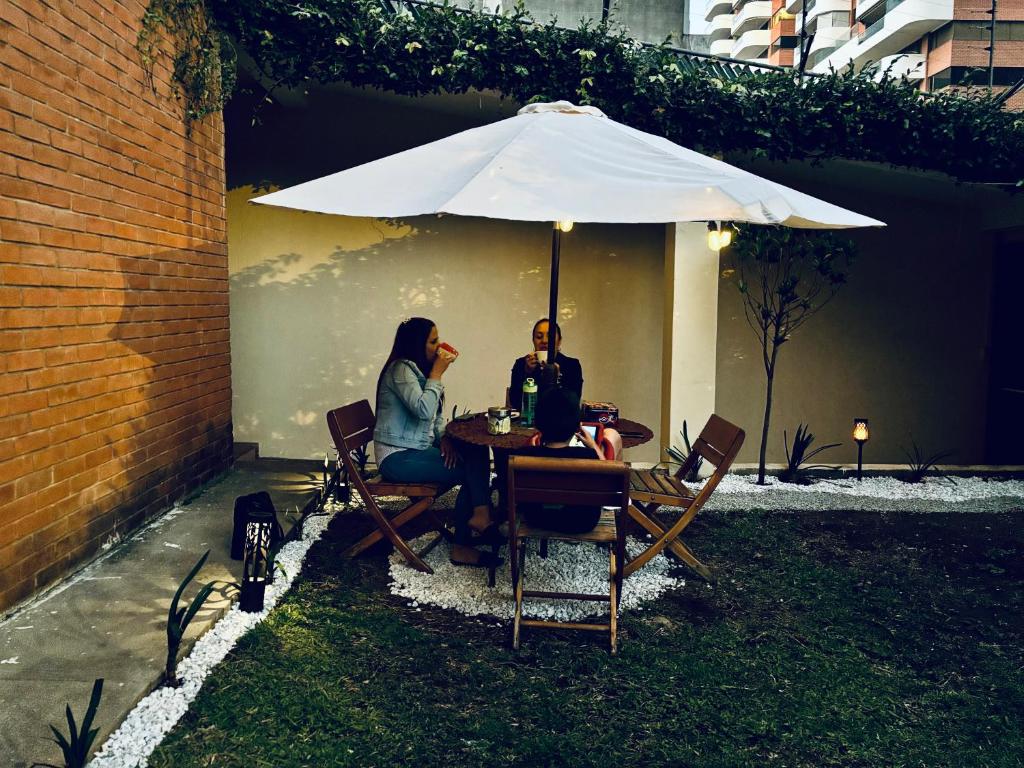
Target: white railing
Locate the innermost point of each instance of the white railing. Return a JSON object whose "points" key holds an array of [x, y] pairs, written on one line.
{"points": [[720, 27], [722, 47], [751, 44], [752, 15], [717, 8]]}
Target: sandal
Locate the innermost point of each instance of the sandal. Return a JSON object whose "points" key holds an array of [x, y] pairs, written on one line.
{"points": [[486, 560]]}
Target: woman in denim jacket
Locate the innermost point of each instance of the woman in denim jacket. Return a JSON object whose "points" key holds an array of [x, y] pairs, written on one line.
{"points": [[409, 442]]}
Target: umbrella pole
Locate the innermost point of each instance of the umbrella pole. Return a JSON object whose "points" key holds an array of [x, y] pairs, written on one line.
{"points": [[556, 248]]}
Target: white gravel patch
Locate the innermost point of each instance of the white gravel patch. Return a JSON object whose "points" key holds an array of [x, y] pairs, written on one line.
{"points": [[569, 567], [874, 494], [145, 726]]}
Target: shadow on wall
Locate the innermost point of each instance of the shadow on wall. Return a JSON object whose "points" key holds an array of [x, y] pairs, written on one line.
{"points": [[312, 326]]}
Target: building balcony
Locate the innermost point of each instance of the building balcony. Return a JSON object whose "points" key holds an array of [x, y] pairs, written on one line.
{"points": [[720, 27], [908, 65], [717, 8], [751, 44], [829, 38], [864, 6], [826, 6], [905, 22], [752, 15], [794, 6], [722, 47]]}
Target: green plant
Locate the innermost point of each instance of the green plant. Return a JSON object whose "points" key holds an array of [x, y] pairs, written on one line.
{"points": [[796, 469], [693, 475], [785, 276], [77, 745], [440, 49], [918, 464], [361, 457], [204, 58], [178, 620]]}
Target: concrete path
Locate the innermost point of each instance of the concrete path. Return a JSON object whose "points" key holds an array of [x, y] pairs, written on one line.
{"points": [[109, 620]]}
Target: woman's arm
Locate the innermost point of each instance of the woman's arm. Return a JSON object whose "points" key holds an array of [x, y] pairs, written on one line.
{"points": [[422, 400]]}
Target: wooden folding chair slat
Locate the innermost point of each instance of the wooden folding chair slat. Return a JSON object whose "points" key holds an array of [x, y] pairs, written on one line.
{"points": [[718, 443], [351, 427], [568, 481]]}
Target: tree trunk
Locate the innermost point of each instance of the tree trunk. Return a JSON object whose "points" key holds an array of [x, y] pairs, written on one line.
{"points": [[770, 373]]}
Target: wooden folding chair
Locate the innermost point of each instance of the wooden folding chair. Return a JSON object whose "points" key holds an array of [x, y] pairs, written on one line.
{"points": [[718, 444], [351, 428], [582, 482]]}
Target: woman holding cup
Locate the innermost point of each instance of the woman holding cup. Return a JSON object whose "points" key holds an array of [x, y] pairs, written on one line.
{"points": [[409, 442], [565, 372]]}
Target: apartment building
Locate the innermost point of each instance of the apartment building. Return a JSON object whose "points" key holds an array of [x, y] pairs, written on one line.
{"points": [[937, 43]]}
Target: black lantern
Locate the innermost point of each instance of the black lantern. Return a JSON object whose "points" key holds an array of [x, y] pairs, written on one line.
{"points": [[244, 507], [258, 564], [860, 435]]}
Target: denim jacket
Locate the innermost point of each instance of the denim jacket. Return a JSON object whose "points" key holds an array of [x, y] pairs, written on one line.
{"points": [[408, 408]]}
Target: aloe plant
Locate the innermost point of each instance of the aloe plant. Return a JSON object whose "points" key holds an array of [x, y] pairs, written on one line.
{"points": [[693, 475], [178, 620], [918, 464], [361, 457], [77, 745], [796, 469]]}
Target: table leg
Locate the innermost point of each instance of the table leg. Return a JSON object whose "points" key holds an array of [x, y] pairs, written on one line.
{"points": [[501, 470]]}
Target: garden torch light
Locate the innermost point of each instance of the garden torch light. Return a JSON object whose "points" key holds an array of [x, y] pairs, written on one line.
{"points": [[258, 564], [861, 436]]}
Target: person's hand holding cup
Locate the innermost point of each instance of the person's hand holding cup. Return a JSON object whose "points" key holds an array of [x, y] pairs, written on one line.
{"points": [[447, 350], [445, 356]]}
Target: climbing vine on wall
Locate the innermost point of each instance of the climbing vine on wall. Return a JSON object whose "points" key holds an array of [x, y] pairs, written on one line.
{"points": [[767, 113], [204, 57]]}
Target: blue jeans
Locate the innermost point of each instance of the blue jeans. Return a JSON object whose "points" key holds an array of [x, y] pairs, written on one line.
{"points": [[472, 472]]}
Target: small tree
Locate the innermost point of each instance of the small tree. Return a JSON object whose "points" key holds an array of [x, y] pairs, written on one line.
{"points": [[785, 276]]}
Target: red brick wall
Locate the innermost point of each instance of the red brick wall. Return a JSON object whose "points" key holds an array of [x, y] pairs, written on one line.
{"points": [[115, 393]]}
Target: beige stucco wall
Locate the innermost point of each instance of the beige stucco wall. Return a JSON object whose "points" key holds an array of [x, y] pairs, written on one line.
{"points": [[315, 299], [903, 343]]}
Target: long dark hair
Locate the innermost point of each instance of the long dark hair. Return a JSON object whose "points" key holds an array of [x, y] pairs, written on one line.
{"points": [[410, 344]]}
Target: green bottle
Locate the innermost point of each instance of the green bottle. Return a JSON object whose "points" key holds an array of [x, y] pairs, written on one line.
{"points": [[529, 402]]}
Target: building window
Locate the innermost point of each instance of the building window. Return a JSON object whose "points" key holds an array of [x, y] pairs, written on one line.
{"points": [[974, 76], [974, 30], [940, 37]]}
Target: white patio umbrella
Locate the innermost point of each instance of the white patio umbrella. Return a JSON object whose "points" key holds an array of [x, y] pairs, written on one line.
{"points": [[561, 163]]}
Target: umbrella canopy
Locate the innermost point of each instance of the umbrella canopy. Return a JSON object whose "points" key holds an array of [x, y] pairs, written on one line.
{"points": [[555, 162], [561, 163]]}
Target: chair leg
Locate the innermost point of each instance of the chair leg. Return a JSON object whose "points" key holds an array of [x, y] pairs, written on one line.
{"points": [[519, 599], [613, 600], [677, 547], [400, 519], [544, 548]]}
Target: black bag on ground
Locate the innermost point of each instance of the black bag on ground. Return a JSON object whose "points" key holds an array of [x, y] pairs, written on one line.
{"points": [[243, 504]]}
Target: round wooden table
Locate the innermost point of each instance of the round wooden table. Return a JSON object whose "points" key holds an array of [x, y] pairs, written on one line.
{"points": [[474, 431]]}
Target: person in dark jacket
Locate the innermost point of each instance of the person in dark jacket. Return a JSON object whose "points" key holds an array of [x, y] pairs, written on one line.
{"points": [[566, 371], [558, 419]]}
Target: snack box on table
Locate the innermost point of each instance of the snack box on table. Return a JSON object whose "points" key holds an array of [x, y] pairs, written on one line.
{"points": [[600, 413]]}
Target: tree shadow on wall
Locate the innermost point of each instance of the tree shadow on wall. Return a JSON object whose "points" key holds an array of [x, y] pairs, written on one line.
{"points": [[309, 335]]}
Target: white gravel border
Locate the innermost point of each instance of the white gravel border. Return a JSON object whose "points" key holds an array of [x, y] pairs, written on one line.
{"points": [[569, 567], [873, 494], [152, 719]]}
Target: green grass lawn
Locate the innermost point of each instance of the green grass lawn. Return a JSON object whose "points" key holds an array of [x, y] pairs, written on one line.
{"points": [[852, 639]]}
